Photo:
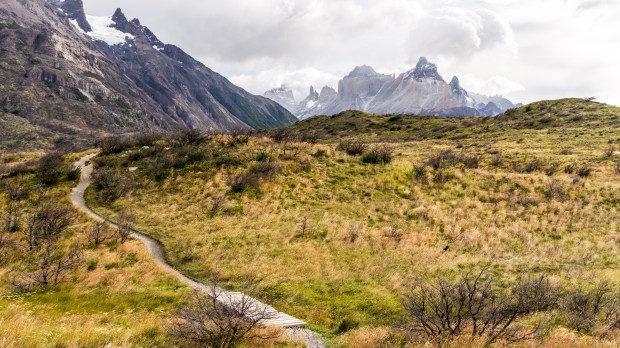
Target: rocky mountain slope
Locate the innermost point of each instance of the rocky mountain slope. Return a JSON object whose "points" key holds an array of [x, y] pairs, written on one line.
{"points": [[419, 91], [80, 76]]}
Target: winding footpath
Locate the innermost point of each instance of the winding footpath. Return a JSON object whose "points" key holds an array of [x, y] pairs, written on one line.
{"points": [[293, 325]]}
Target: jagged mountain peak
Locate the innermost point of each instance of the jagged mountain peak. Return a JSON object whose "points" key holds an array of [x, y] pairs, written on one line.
{"points": [[74, 10], [314, 95], [455, 83], [362, 71], [424, 70], [119, 17], [327, 91]]}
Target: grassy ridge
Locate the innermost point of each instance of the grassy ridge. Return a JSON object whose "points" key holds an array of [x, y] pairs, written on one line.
{"points": [[337, 241]]}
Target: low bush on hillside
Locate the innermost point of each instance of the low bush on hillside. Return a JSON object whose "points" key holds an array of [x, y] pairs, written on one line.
{"points": [[121, 143], [378, 154], [50, 169], [244, 182], [352, 148], [475, 305], [110, 183]]}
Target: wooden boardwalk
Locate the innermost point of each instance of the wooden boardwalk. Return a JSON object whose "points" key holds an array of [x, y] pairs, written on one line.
{"points": [[228, 298]]}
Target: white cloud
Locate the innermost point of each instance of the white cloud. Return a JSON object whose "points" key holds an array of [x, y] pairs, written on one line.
{"points": [[297, 80], [453, 32], [495, 85], [555, 48]]}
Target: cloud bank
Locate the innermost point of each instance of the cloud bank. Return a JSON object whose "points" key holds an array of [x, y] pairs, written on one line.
{"points": [[527, 49]]}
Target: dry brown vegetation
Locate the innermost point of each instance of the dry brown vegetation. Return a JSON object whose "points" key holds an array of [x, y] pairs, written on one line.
{"points": [[337, 240]]}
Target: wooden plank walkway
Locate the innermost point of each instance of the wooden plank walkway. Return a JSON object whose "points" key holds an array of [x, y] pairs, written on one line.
{"points": [[228, 298]]}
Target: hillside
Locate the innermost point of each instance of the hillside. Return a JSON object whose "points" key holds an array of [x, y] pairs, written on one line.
{"points": [[568, 116], [338, 230], [79, 80]]}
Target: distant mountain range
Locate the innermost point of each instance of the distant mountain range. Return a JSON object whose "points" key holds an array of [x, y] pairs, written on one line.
{"points": [[81, 76], [419, 91]]}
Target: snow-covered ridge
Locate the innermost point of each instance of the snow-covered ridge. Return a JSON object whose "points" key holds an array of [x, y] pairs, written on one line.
{"points": [[102, 30]]}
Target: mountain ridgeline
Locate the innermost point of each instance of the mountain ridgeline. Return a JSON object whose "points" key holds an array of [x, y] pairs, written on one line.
{"points": [[68, 76], [419, 91]]}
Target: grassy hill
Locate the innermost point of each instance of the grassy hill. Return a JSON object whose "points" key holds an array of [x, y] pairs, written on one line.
{"points": [[337, 240], [567, 116], [335, 234]]}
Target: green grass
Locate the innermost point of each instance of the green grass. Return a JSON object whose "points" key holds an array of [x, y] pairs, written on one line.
{"points": [[125, 306]]}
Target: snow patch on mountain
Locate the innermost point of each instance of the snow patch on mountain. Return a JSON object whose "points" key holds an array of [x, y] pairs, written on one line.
{"points": [[77, 25], [103, 31]]}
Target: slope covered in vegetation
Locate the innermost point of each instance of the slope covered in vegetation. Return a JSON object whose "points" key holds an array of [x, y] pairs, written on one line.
{"points": [[339, 215]]}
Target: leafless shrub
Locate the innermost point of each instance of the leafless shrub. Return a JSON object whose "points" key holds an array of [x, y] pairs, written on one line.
{"points": [[497, 160], [219, 319], [304, 227], [474, 306], [570, 168], [394, 233], [552, 169], [584, 309], [352, 147], [354, 232], [420, 173], [472, 161], [16, 191], [11, 219], [378, 154], [218, 204], [189, 137], [584, 171], [445, 159], [125, 226], [46, 224], [51, 265], [441, 177], [265, 169], [244, 182], [309, 137], [554, 189], [50, 169], [609, 152], [533, 166], [110, 183], [5, 242], [240, 136], [114, 145], [98, 234], [281, 135]]}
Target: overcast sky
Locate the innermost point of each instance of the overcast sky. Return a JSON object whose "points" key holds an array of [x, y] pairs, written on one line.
{"points": [[526, 50]]}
